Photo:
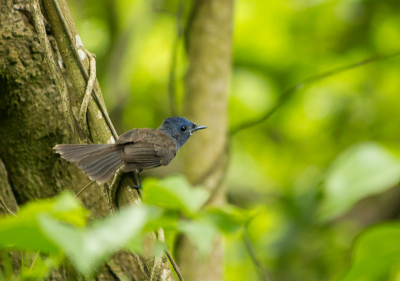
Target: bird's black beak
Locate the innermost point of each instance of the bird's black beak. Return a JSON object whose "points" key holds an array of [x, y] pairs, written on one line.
{"points": [[198, 127]]}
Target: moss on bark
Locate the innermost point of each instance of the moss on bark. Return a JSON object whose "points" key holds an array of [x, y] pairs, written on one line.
{"points": [[31, 123]]}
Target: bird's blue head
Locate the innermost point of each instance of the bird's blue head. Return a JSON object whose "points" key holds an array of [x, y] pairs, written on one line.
{"points": [[179, 129]]}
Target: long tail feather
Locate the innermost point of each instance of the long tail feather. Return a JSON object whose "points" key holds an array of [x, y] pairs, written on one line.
{"points": [[75, 152], [106, 175], [98, 161]]}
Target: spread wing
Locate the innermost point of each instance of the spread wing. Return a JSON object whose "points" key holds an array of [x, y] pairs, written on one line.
{"points": [[146, 148]]}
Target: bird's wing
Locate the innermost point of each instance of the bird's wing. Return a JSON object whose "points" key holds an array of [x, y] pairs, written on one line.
{"points": [[134, 135], [153, 149]]}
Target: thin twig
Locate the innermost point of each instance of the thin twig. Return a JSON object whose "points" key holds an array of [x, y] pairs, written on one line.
{"points": [[88, 94], [34, 259], [6, 208], [11, 213], [86, 186], [174, 265], [215, 165], [261, 270], [84, 71], [54, 69], [171, 80], [218, 185], [286, 95]]}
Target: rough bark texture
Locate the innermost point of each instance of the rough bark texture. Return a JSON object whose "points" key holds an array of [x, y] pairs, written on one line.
{"points": [[209, 49], [32, 122], [98, 129]]}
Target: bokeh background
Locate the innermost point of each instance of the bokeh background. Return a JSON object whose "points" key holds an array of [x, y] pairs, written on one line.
{"points": [[325, 166]]}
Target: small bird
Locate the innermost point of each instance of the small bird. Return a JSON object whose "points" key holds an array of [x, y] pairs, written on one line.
{"points": [[136, 149]]}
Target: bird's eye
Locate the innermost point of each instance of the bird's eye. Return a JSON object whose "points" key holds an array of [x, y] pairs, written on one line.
{"points": [[183, 128]]}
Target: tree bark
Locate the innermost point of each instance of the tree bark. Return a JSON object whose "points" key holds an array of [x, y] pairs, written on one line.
{"points": [[32, 122], [209, 47]]}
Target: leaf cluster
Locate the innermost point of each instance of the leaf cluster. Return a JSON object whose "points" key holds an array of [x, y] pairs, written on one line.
{"points": [[56, 228]]}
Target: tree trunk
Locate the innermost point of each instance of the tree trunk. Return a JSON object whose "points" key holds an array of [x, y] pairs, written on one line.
{"points": [[32, 122], [209, 46]]}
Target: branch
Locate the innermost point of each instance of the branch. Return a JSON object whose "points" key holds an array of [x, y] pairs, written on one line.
{"points": [[54, 69], [101, 128], [83, 189], [307, 82], [6, 208], [78, 58], [213, 167], [261, 270], [215, 164], [88, 95], [174, 265], [284, 97], [34, 259]]}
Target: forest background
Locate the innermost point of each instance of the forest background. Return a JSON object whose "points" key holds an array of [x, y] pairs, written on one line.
{"points": [[313, 116]]}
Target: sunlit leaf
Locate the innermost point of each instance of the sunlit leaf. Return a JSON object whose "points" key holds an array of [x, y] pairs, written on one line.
{"points": [[175, 192], [361, 171], [202, 234], [37, 272], [40, 267], [23, 231], [168, 221], [375, 252], [227, 218], [87, 248]]}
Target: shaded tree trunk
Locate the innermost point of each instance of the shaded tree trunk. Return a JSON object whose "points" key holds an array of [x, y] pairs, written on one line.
{"points": [[209, 47], [32, 122]]}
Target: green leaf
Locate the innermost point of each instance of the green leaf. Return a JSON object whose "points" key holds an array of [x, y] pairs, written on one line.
{"points": [[167, 221], [37, 272], [87, 248], [202, 234], [375, 252], [41, 267], [361, 171], [227, 218], [23, 231], [175, 192], [68, 209]]}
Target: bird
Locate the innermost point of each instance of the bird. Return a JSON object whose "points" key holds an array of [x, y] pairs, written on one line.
{"points": [[135, 150]]}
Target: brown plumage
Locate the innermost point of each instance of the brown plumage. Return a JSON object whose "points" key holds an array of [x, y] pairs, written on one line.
{"points": [[136, 149], [146, 148]]}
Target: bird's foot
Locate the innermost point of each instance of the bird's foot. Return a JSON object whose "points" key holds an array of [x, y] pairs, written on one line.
{"points": [[138, 186]]}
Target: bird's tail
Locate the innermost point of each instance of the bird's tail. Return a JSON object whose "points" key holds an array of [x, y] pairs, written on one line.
{"points": [[98, 161]]}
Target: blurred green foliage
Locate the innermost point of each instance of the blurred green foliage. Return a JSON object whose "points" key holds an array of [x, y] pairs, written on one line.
{"points": [[54, 228], [324, 166], [362, 170], [319, 171], [376, 254]]}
